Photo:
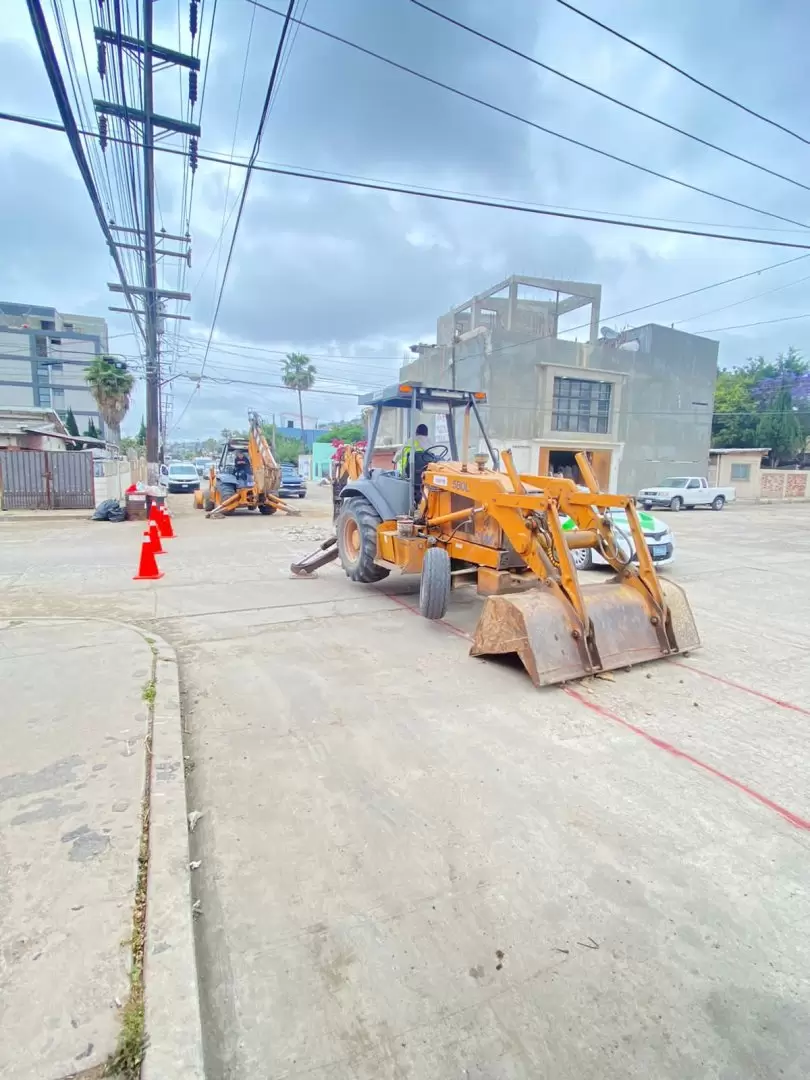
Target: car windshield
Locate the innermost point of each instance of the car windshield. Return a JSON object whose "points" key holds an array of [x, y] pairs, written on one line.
{"points": [[289, 469], [182, 470], [675, 481]]}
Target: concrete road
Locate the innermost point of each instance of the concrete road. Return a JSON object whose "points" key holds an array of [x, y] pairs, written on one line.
{"points": [[415, 865], [71, 785]]}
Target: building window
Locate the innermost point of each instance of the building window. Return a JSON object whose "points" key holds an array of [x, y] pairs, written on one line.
{"points": [[57, 365], [47, 324], [740, 472], [581, 405]]}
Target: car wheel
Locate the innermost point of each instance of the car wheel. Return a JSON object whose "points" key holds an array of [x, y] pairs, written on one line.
{"points": [[718, 502], [676, 504], [582, 558], [302, 494]]}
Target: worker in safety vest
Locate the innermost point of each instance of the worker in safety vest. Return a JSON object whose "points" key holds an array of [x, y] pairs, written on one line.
{"points": [[410, 447]]}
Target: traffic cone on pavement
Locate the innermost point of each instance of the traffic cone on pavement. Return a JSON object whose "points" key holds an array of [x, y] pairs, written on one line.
{"points": [[154, 511], [154, 534], [165, 524], [147, 567]]}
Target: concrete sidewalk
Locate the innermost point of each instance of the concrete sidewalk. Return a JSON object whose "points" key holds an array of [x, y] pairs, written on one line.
{"points": [[72, 775]]}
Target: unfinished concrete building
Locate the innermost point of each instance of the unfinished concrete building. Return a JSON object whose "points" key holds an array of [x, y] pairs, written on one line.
{"points": [[639, 401]]}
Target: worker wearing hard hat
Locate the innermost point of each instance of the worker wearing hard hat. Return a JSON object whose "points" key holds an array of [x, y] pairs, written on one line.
{"points": [[410, 447]]}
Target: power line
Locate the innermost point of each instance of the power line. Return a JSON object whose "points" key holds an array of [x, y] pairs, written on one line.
{"points": [[256, 145], [680, 71], [46, 50], [745, 300], [399, 189], [532, 123], [760, 322], [609, 97]]}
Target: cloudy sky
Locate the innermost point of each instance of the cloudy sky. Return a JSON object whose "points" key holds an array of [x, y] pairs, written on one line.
{"points": [[352, 277]]}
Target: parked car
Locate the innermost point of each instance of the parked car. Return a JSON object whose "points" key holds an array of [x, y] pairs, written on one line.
{"points": [[659, 537], [292, 483], [180, 476], [202, 465], [677, 492]]}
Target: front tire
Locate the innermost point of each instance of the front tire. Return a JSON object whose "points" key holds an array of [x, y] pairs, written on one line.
{"points": [[676, 504], [357, 541], [718, 502], [434, 586]]}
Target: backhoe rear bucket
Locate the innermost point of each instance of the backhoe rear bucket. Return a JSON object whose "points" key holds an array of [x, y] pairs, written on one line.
{"points": [[537, 627]]}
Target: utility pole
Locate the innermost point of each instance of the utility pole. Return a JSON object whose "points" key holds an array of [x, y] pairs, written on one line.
{"points": [[148, 53]]}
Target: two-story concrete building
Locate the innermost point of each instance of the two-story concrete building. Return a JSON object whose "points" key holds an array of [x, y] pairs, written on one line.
{"points": [[43, 357], [640, 402]]}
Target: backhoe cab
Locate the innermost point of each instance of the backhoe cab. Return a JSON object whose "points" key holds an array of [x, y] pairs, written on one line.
{"points": [[452, 520]]}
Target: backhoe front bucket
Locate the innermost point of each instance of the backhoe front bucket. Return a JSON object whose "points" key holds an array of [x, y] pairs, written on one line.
{"points": [[536, 625]]}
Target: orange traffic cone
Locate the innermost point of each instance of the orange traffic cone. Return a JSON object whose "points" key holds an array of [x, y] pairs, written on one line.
{"points": [[147, 567], [154, 511], [165, 524], [154, 534]]}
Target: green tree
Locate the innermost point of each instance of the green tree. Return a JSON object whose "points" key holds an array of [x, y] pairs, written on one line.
{"points": [[92, 431], [140, 438], [735, 418], [72, 428], [298, 373], [351, 432], [111, 384], [779, 428]]}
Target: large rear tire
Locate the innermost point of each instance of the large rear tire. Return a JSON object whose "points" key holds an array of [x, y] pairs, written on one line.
{"points": [[225, 493], [434, 587], [357, 541]]}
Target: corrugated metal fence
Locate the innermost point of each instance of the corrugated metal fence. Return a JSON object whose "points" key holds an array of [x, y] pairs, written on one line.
{"points": [[46, 480]]}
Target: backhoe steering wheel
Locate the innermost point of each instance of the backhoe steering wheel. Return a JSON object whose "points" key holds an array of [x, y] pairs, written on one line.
{"points": [[439, 452]]}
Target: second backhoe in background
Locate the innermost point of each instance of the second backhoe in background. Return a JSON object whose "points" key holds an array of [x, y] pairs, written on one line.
{"points": [[246, 475]]}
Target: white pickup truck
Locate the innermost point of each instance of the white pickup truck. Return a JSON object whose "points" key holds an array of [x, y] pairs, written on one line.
{"points": [[677, 492]]}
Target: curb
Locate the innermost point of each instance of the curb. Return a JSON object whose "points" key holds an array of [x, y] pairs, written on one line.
{"points": [[172, 1004], [174, 1047]]}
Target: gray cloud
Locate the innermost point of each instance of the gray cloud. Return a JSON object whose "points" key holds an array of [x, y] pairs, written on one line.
{"points": [[337, 271]]}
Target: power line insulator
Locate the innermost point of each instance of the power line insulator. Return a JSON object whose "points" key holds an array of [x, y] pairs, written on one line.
{"points": [[101, 55], [102, 131], [193, 155], [192, 86], [193, 20]]}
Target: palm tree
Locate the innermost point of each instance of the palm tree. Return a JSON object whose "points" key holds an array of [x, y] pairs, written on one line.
{"points": [[298, 373], [110, 384]]}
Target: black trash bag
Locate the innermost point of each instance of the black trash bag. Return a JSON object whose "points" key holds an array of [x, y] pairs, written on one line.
{"points": [[110, 510]]}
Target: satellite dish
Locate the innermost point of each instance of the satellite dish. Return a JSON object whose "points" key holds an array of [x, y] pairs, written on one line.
{"points": [[608, 334]]}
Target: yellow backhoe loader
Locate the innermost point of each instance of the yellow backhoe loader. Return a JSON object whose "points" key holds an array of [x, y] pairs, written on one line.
{"points": [[450, 519], [245, 475]]}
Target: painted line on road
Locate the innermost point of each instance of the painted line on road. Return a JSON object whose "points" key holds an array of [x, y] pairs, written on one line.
{"points": [[746, 689], [669, 748], [661, 744]]}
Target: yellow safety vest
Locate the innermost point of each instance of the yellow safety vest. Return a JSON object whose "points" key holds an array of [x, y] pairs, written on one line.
{"points": [[407, 449]]}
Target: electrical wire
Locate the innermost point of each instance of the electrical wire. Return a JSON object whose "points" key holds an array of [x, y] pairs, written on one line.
{"points": [[45, 46], [256, 145], [760, 322], [609, 97], [400, 189], [531, 123], [680, 71]]}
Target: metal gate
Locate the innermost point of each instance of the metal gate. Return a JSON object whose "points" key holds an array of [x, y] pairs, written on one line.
{"points": [[46, 480]]}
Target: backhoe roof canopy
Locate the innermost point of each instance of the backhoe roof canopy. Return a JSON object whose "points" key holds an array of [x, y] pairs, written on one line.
{"points": [[402, 397]]}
